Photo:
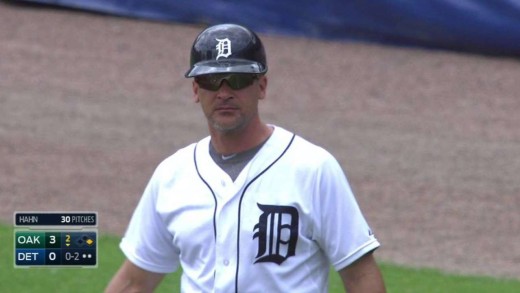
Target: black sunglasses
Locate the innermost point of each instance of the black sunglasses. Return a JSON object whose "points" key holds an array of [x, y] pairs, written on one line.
{"points": [[236, 81]]}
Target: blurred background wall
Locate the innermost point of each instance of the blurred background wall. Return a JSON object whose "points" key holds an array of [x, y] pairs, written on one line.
{"points": [[481, 26]]}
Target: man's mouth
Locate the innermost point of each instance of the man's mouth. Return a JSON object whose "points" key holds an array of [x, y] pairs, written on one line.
{"points": [[226, 108]]}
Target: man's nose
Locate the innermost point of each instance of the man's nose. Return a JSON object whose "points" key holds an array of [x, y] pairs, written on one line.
{"points": [[224, 91]]}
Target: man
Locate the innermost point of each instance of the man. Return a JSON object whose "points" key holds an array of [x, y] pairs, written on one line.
{"points": [[252, 207]]}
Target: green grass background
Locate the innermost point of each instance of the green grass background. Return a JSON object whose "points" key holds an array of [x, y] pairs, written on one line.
{"points": [[398, 279]]}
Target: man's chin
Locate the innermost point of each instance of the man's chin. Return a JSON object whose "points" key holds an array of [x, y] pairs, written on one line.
{"points": [[228, 127]]}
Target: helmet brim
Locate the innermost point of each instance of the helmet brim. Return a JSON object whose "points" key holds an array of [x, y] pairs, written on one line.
{"points": [[225, 66]]}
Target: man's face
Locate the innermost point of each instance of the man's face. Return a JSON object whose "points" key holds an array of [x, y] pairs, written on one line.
{"points": [[228, 109]]}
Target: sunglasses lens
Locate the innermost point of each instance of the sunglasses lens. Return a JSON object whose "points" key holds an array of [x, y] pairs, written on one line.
{"points": [[213, 82]]}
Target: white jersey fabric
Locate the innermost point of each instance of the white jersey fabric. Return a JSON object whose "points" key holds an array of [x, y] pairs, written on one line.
{"points": [[278, 227]]}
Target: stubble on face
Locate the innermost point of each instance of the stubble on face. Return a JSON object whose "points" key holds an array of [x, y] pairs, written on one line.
{"points": [[226, 127]]}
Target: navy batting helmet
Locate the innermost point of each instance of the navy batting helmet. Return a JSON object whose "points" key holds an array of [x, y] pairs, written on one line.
{"points": [[227, 48]]}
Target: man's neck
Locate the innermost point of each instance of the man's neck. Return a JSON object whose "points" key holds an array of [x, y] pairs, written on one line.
{"points": [[232, 142]]}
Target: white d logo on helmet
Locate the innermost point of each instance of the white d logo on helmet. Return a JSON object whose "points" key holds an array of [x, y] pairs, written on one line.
{"points": [[223, 48]]}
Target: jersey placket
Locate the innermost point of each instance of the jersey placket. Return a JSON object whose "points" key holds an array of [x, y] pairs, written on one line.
{"points": [[228, 197]]}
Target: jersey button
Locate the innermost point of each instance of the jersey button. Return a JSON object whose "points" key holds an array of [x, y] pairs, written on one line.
{"points": [[226, 262], [223, 182]]}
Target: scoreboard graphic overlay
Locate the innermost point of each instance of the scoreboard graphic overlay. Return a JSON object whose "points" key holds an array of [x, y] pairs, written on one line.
{"points": [[55, 239]]}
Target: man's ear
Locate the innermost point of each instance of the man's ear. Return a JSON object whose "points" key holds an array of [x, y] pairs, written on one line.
{"points": [[262, 82], [195, 88]]}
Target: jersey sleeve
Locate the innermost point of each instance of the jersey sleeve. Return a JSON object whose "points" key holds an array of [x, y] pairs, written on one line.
{"points": [[147, 243], [344, 234]]}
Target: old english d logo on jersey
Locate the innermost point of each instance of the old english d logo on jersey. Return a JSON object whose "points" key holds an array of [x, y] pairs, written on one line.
{"points": [[277, 233], [223, 48]]}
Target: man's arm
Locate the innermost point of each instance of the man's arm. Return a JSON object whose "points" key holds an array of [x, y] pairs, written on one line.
{"points": [[131, 278], [363, 275]]}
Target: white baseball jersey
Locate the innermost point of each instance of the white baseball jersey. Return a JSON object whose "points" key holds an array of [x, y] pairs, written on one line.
{"points": [[278, 227]]}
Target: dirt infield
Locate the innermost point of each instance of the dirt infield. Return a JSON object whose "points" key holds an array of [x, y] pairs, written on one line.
{"points": [[430, 140]]}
